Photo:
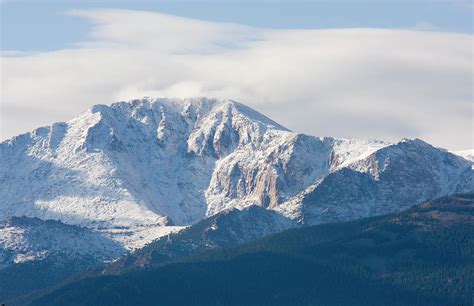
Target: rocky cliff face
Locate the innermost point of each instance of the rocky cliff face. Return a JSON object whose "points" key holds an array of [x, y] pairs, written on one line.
{"points": [[141, 169]]}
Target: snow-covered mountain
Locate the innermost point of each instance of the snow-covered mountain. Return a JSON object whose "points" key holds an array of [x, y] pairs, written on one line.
{"points": [[141, 169], [24, 239], [387, 181]]}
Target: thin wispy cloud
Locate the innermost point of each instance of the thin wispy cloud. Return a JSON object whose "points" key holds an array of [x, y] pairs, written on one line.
{"points": [[367, 83]]}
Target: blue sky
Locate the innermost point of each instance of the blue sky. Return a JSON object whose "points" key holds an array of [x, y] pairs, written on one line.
{"points": [[44, 25], [351, 69]]}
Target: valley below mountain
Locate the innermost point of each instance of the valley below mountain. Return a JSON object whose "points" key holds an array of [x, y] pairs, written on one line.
{"points": [[422, 256], [150, 185]]}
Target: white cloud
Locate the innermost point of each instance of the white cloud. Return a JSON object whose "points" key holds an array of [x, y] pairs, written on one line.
{"points": [[366, 83]]}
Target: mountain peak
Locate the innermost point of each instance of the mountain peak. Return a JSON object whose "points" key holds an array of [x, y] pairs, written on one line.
{"points": [[133, 169]]}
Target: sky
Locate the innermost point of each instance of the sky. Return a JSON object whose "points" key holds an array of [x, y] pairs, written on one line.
{"points": [[351, 69]]}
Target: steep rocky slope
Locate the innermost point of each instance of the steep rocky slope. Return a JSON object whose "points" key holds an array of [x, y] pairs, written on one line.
{"points": [[141, 169]]}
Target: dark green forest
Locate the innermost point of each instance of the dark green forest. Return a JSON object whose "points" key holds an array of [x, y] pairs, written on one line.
{"points": [[423, 256]]}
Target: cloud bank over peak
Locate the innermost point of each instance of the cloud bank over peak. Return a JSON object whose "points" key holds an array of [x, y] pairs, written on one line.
{"points": [[366, 83]]}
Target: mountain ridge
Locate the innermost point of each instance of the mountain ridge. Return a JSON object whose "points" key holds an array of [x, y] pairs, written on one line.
{"points": [[139, 170]]}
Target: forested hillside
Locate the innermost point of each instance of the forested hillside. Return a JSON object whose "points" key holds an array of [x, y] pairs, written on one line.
{"points": [[423, 256]]}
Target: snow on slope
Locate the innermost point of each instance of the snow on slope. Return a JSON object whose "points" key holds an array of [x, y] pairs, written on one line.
{"points": [[138, 170], [466, 154], [132, 167], [25, 239], [348, 151], [387, 181]]}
